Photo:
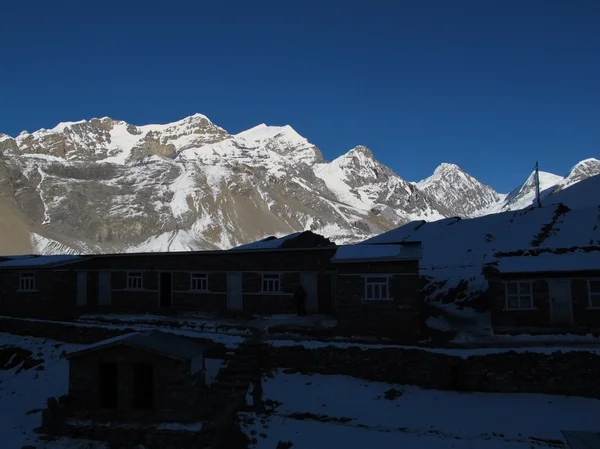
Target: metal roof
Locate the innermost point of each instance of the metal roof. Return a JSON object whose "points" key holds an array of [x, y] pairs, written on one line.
{"points": [[32, 261], [377, 252], [580, 439]]}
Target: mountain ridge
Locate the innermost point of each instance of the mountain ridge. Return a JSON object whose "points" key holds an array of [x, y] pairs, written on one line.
{"points": [[107, 185]]}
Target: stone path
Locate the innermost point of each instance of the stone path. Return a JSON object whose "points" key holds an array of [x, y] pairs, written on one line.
{"points": [[241, 369]]}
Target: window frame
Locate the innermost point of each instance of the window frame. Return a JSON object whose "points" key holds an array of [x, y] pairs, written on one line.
{"points": [[590, 294], [383, 280], [519, 296], [27, 281], [268, 279], [133, 276], [201, 279]]}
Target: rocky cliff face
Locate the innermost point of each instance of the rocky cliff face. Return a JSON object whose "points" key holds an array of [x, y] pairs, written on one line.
{"points": [[106, 185]]}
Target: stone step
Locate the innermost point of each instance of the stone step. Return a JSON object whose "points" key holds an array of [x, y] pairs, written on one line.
{"points": [[219, 382], [234, 376], [240, 369], [231, 384], [245, 356]]}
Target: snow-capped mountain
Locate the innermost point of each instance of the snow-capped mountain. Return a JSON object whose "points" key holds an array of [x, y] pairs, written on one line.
{"points": [[458, 191], [106, 185]]}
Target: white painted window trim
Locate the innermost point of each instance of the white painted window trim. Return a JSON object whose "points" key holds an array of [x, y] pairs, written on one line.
{"points": [[201, 278], [518, 295], [133, 275], [276, 279], [387, 277], [27, 281], [589, 289]]}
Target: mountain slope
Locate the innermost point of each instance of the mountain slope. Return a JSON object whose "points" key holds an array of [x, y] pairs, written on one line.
{"points": [[358, 180], [550, 184]]}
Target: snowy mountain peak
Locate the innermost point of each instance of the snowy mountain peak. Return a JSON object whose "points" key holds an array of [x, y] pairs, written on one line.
{"points": [[357, 157], [262, 132], [445, 167], [283, 140], [441, 170], [547, 180], [584, 169], [360, 149], [458, 191]]}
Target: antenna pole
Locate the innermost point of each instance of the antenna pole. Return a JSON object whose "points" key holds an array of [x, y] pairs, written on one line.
{"points": [[537, 185]]}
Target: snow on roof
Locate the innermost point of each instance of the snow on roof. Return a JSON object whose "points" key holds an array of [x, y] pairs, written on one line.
{"points": [[548, 262], [165, 343], [269, 242], [577, 196], [34, 261], [349, 253]]}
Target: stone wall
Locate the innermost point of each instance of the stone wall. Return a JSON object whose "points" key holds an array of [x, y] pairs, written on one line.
{"points": [[571, 373], [132, 438]]}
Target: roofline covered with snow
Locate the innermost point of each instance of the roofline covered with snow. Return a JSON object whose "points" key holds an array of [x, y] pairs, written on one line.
{"points": [[28, 261], [128, 340], [376, 253], [564, 264]]}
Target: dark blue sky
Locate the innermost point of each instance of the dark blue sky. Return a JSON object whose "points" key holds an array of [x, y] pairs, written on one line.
{"points": [[489, 85]]}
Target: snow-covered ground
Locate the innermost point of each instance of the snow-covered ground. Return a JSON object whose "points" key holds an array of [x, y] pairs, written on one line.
{"points": [[24, 394], [365, 414], [209, 323], [380, 415], [592, 346]]}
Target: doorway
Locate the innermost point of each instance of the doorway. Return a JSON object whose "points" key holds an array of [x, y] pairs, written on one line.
{"points": [[561, 308], [309, 284], [104, 288], [143, 389], [108, 385], [82, 288], [164, 289], [234, 291]]}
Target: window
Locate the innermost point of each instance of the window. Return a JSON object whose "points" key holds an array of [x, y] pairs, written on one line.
{"points": [[199, 282], [27, 282], [377, 288], [519, 295], [594, 289], [134, 280], [271, 283]]}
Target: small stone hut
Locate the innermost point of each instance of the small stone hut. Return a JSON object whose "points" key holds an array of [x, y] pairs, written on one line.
{"points": [[142, 375]]}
